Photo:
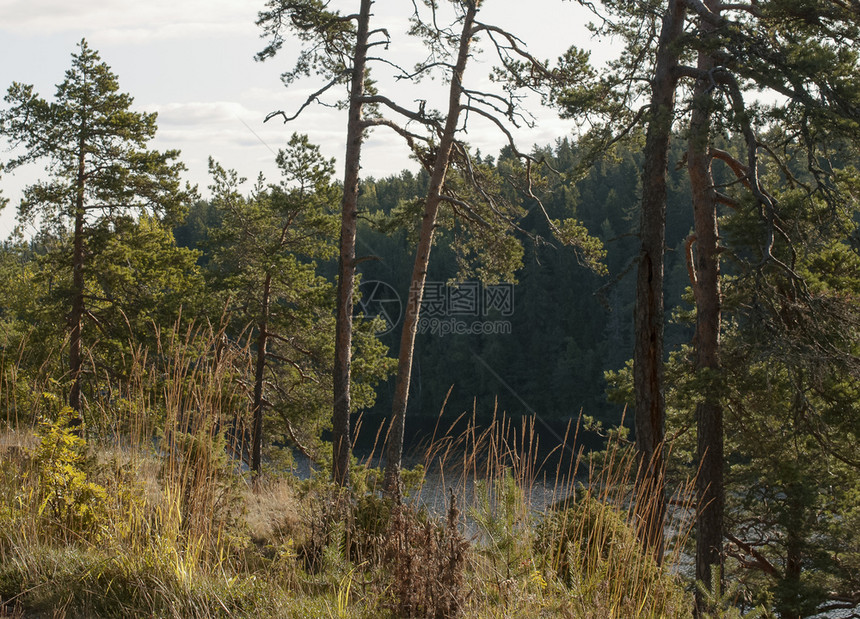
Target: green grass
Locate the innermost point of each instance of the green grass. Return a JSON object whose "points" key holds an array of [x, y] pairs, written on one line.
{"points": [[287, 549], [149, 517]]}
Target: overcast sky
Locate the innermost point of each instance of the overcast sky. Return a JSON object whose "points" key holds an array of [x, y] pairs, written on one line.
{"points": [[192, 61]]}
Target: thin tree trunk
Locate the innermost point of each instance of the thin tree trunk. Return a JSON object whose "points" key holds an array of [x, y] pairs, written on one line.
{"points": [[341, 440], [259, 375], [790, 599], [706, 286], [76, 315], [650, 413], [394, 453]]}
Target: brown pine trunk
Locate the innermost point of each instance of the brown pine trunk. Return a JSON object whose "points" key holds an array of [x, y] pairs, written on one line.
{"points": [[76, 315], [341, 440], [790, 599], [706, 287], [259, 375], [650, 410], [422, 260]]}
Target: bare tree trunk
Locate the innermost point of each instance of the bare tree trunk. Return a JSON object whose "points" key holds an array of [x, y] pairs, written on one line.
{"points": [[76, 315], [341, 440], [422, 260], [259, 375], [650, 407], [706, 286]]}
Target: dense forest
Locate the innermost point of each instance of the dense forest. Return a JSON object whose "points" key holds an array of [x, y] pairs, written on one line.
{"points": [[615, 375], [565, 326]]}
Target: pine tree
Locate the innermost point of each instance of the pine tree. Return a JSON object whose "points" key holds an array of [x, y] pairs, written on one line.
{"points": [[263, 260], [100, 174], [336, 48]]}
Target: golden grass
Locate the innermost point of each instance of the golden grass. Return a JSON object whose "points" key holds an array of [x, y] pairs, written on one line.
{"points": [[518, 530]]}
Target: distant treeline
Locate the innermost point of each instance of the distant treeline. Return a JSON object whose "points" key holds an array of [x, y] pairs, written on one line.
{"points": [[547, 352]]}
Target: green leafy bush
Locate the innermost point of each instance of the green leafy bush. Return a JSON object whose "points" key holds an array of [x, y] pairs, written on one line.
{"points": [[67, 499]]}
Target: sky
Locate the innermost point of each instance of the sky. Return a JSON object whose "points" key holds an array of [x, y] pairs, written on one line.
{"points": [[192, 62]]}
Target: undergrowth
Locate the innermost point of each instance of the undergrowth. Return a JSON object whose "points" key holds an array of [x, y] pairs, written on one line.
{"points": [[156, 515]]}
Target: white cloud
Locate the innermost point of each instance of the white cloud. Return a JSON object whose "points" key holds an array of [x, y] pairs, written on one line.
{"points": [[234, 134], [191, 60], [129, 20], [195, 113]]}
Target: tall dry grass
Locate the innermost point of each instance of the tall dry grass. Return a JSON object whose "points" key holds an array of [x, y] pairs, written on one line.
{"points": [[151, 513], [143, 514], [554, 528]]}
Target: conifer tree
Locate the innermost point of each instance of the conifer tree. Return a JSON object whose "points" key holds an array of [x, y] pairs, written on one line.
{"points": [[336, 48], [802, 51], [461, 188], [100, 176], [263, 260]]}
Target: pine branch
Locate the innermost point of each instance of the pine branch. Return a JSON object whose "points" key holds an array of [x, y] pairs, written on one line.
{"points": [[313, 97], [760, 561]]}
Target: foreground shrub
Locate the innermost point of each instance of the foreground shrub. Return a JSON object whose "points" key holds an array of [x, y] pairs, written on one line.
{"points": [[427, 563], [591, 549], [68, 501]]}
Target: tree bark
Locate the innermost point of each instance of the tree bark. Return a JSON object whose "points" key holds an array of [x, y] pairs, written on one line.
{"points": [[394, 453], [706, 287], [341, 440], [650, 413], [259, 375], [76, 316], [790, 598]]}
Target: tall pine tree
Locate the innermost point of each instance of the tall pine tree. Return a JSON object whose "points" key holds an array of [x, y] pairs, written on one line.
{"points": [[99, 175]]}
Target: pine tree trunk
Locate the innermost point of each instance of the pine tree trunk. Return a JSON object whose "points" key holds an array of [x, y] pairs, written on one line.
{"points": [[394, 453], [76, 315], [341, 440], [790, 597], [709, 414], [259, 375], [650, 410]]}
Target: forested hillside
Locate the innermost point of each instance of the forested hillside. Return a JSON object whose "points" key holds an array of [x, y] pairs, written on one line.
{"points": [[566, 326], [617, 375]]}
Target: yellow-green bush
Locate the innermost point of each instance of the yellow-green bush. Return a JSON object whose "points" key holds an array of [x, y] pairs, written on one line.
{"points": [[590, 547], [67, 500]]}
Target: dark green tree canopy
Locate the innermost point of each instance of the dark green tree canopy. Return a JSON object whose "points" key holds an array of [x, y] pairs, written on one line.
{"points": [[93, 147], [100, 178]]}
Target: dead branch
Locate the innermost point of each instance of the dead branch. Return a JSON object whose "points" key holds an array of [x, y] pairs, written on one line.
{"points": [[691, 265], [470, 212], [727, 200], [700, 9], [295, 439], [408, 136], [760, 561], [314, 97], [419, 116], [421, 70], [510, 109]]}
